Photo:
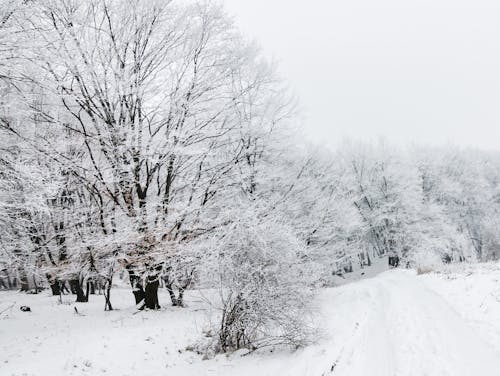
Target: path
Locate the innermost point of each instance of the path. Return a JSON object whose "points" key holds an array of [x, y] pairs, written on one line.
{"points": [[407, 329]]}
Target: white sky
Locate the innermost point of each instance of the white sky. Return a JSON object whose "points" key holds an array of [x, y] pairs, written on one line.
{"points": [[424, 71]]}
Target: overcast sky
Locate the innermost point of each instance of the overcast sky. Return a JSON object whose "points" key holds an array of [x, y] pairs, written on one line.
{"points": [[424, 71]]}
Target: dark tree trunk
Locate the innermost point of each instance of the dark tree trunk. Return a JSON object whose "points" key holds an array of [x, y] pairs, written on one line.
{"points": [[36, 285], [25, 286], [146, 297], [171, 292], [72, 286], [183, 287], [180, 298], [55, 287], [77, 289], [87, 291], [139, 293], [107, 295], [137, 289], [3, 284], [54, 284], [151, 292], [177, 301], [92, 287], [63, 287], [13, 282]]}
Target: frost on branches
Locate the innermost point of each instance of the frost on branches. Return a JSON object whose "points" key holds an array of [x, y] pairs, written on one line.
{"points": [[264, 295]]}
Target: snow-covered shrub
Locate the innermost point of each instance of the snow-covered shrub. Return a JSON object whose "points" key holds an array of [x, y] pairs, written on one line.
{"points": [[264, 297], [426, 261]]}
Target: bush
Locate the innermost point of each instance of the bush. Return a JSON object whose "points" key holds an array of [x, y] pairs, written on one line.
{"points": [[264, 295]]}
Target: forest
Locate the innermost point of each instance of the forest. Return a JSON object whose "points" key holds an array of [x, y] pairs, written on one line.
{"points": [[150, 144]]}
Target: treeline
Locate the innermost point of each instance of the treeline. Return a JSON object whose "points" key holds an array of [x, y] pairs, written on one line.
{"points": [[149, 138]]}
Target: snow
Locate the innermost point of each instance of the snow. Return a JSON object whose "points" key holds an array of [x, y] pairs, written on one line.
{"points": [[473, 292], [409, 329], [394, 324]]}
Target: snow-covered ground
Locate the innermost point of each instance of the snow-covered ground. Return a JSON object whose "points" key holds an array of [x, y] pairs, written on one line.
{"points": [[395, 324]]}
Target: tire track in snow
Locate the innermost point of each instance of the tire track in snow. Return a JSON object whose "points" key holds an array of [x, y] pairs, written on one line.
{"points": [[412, 331]]}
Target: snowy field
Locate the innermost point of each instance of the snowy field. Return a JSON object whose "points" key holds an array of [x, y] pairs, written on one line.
{"points": [[394, 324]]}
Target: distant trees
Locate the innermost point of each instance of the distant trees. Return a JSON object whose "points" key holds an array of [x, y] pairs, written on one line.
{"points": [[362, 202]]}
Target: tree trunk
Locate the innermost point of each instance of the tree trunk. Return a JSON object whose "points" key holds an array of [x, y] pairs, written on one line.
{"points": [[180, 298], [107, 295], [13, 282], [3, 284], [72, 286], [63, 287], [77, 289], [137, 289], [151, 292], [171, 292], [55, 287], [54, 284], [92, 287], [35, 284], [99, 287], [25, 286], [87, 291], [177, 301], [183, 287]]}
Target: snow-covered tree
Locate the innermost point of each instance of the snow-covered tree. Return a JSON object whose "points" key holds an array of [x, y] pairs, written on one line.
{"points": [[264, 296]]}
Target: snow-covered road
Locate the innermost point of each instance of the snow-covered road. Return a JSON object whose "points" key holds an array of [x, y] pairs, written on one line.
{"points": [[408, 329]]}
